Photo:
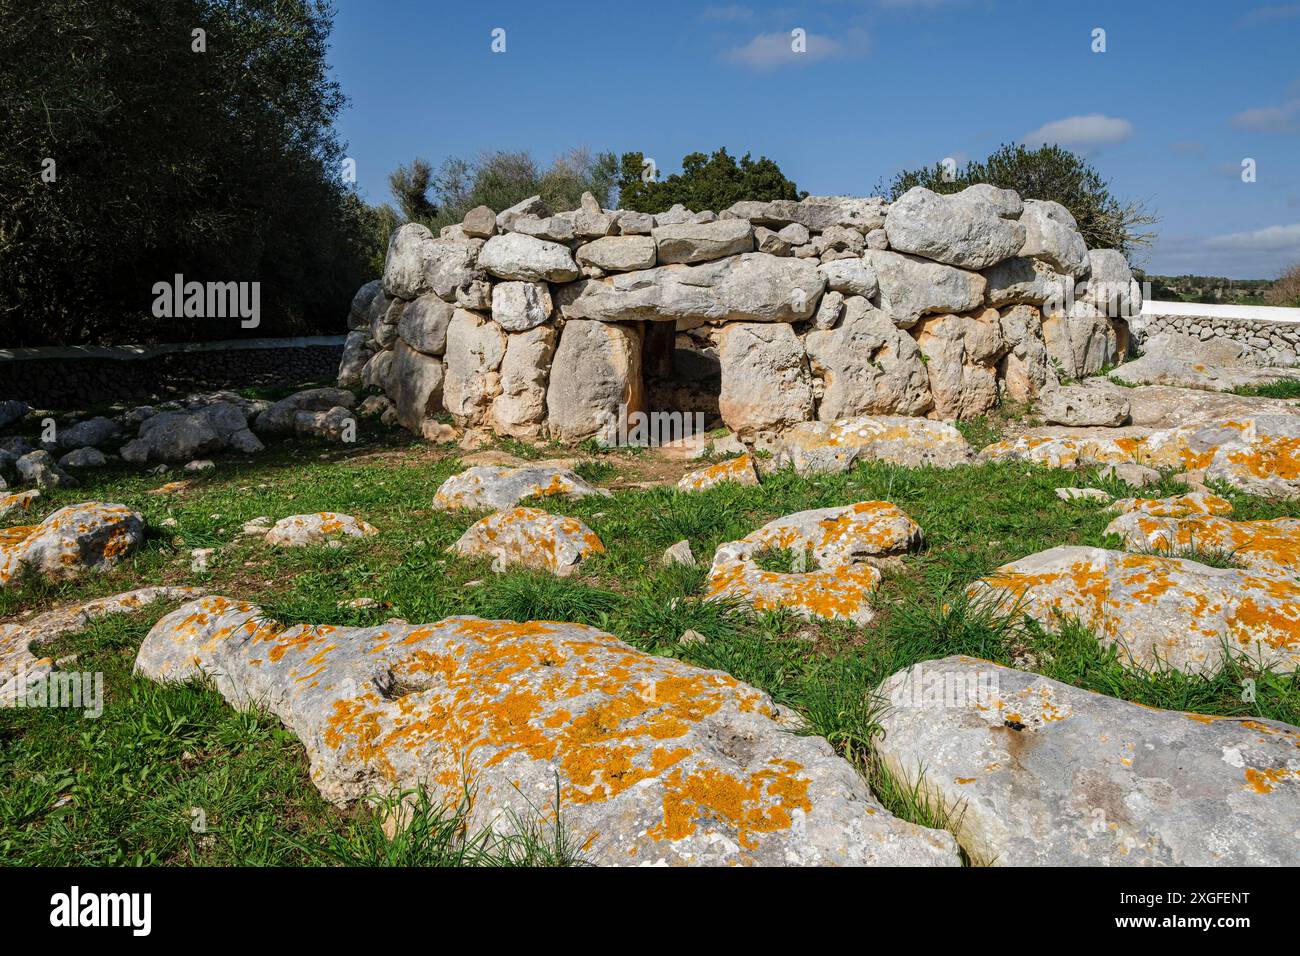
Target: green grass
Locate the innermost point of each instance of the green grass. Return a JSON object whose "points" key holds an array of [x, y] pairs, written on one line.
{"points": [[122, 789], [1286, 388]]}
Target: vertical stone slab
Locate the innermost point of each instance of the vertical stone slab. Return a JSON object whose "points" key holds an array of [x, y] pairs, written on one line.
{"points": [[597, 368], [766, 384]]}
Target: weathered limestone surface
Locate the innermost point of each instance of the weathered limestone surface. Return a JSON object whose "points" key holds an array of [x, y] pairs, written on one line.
{"points": [[656, 762], [1157, 611], [766, 384], [1039, 773], [300, 531], [1270, 546], [596, 370], [835, 446], [738, 470]]}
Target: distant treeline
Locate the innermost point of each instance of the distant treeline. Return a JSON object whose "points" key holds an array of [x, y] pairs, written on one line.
{"points": [[1209, 289]]}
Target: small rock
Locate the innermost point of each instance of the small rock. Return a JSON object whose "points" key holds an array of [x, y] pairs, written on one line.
{"points": [[690, 636], [198, 465], [680, 553], [1082, 494]]}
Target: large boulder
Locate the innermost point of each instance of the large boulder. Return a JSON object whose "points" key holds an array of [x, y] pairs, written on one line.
{"points": [[1024, 369], [94, 432], [867, 366], [692, 242], [815, 213], [525, 258], [911, 286], [475, 349], [766, 383], [413, 382], [423, 324], [359, 311], [1156, 611], [832, 447], [961, 360], [964, 229], [1110, 286], [520, 306], [85, 537], [851, 276], [184, 436], [1034, 772], [520, 408], [418, 263], [358, 349], [596, 370], [532, 207], [1081, 340], [40, 469], [531, 538], [12, 411], [618, 253], [754, 287], [651, 760], [1024, 281], [1052, 236], [1259, 455]]}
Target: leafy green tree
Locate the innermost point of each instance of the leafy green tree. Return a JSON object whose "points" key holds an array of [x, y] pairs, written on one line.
{"points": [[1049, 172], [711, 182], [135, 148], [410, 187]]}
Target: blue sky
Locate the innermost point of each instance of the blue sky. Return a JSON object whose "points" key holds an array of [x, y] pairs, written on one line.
{"points": [[1184, 92]]}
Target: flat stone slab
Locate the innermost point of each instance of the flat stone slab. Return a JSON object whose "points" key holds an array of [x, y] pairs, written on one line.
{"points": [[833, 447], [1155, 610], [20, 642], [1169, 370], [532, 538], [651, 761], [1040, 773], [301, 531], [1176, 506], [92, 536], [1268, 546], [739, 471], [498, 488], [1259, 455]]}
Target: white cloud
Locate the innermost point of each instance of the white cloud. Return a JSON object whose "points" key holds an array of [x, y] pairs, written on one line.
{"points": [[1284, 118], [1281, 11], [1268, 239], [770, 51], [1091, 130]]}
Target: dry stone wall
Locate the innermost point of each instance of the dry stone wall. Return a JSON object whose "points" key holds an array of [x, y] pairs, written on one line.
{"points": [[538, 324]]}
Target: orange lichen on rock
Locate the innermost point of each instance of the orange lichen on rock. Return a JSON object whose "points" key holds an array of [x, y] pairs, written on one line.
{"points": [[739, 470], [517, 716], [532, 538]]}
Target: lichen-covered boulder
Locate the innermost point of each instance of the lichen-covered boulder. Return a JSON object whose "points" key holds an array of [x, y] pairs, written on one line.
{"points": [[1176, 506], [21, 501], [832, 546], [650, 760], [1065, 451], [739, 470], [833, 447], [85, 537], [1259, 455], [499, 488], [1261, 545], [1038, 773], [1155, 610], [530, 538], [301, 531]]}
